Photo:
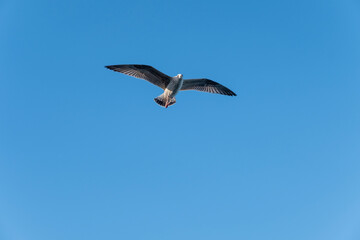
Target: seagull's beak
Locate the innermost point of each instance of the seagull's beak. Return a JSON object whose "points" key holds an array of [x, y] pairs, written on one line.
{"points": [[166, 105]]}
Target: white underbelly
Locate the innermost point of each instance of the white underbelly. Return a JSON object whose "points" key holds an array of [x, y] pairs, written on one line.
{"points": [[173, 88]]}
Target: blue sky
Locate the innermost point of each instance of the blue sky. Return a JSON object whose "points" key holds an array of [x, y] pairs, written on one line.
{"points": [[85, 153]]}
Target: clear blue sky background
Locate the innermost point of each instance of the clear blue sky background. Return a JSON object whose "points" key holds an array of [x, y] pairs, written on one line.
{"points": [[85, 153]]}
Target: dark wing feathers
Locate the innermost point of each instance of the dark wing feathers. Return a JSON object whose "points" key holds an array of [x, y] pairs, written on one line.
{"points": [[206, 85], [143, 71]]}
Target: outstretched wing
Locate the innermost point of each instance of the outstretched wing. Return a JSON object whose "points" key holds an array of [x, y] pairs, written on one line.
{"points": [[206, 85], [143, 71]]}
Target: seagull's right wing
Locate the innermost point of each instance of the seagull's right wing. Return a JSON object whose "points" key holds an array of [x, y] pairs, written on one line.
{"points": [[143, 71], [206, 85]]}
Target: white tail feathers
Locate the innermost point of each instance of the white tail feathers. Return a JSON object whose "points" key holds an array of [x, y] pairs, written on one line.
{"points": [[165, 101]]}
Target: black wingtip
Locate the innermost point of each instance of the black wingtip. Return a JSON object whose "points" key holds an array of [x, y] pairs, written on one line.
{"points": [[111, 67], [230, 93]]}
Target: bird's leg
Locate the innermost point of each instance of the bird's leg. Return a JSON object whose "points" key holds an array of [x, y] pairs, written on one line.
{"points": [[167, 102]]}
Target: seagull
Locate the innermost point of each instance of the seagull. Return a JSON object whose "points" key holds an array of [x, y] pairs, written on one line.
{"points": [[170, 85]]}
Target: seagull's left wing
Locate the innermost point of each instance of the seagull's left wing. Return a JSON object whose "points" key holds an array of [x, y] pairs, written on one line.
{"points": [[143, 71], [206, 85]]}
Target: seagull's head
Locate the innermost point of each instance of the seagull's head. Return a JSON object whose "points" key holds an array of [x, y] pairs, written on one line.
{"points": [[180, 76]]}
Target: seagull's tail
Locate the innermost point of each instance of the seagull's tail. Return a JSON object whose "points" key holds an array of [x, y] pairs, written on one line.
{"points": [[165, 101]]}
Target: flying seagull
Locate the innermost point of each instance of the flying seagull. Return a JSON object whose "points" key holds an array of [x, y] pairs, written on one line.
{"points": [[170, 85]]}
